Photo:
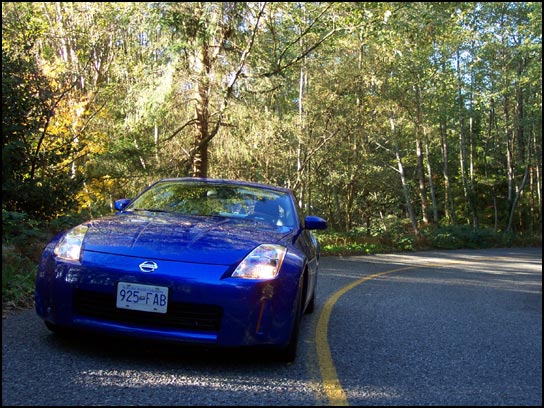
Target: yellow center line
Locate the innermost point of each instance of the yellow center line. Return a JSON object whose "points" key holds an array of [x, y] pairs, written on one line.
{"points": [[329, 378]]}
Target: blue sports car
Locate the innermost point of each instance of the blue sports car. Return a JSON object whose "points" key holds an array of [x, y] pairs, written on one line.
{"points": [[197, 261]]}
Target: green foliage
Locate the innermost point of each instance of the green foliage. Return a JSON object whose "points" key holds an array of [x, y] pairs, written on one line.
{"points": [[466, 236], [23, 240], [24, 234], [454, 237], [358, 242], [18, 275]]}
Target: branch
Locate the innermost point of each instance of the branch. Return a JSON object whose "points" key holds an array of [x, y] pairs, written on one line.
{"points": [[307, 51], [190, 122]]}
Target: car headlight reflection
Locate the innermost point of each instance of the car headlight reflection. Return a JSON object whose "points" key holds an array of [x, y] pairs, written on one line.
{"points": [[69, 246], [264, 262]]}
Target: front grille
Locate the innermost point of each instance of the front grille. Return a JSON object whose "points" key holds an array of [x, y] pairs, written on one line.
{"points": [[185, 316]]}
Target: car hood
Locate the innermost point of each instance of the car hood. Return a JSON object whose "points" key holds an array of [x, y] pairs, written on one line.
{"points": [[210, 240]]}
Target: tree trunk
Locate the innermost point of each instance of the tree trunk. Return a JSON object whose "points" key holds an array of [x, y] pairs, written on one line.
{"points": [[518, 194], [431, 183], [203, 70], [420, 167], [449, 208], [299, 182], [467, 189], [405, 186]]}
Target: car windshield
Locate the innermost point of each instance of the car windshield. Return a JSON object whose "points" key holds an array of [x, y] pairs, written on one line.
{"points": [[224, 200]]}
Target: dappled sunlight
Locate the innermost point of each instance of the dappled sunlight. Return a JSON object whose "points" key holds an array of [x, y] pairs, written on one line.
{"points": [[532, 286], [208, 382], [369, 394], [451, 257], [490, 271]]}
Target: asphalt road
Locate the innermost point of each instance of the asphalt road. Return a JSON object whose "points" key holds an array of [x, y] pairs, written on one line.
{"points": [[428, 328]]}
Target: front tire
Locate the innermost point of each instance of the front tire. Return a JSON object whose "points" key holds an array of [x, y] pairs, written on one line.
{"points": [[56, 329], [289, 353], [311, 305], [52, 327]]}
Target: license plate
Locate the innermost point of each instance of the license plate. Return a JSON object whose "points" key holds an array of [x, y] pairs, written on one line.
{"points": [[146, 298]]}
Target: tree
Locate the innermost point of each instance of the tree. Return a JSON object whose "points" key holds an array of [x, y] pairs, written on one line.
{"points": [[213, 42], [296, 94], [36, 176]]}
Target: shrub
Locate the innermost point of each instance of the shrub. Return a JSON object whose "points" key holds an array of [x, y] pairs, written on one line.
{"points": [[465, 236], [18, 275]]}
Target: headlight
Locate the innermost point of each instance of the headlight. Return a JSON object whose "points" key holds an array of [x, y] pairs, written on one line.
{"points": [[69, 247], [264, 262]]}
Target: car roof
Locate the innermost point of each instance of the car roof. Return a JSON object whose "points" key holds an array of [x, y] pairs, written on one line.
{"points": [[226, 181]]}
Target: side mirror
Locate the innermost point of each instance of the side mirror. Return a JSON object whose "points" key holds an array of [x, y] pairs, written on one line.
{"points": [[312, 222], [121, 204]]}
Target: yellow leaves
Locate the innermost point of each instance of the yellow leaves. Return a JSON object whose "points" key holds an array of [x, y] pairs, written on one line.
{"points": [[95, 192], [52, 71], [95, 147]]}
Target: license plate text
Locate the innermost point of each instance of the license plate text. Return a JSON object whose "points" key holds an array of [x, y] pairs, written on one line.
{"points": [[145, 298]]}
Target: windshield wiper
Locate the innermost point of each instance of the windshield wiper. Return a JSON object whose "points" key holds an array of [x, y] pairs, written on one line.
{"points": [[149, 210]]}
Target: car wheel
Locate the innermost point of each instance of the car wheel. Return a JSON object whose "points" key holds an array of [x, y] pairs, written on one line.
{"points": [[55, 328], [311, 305], [289, 353]]}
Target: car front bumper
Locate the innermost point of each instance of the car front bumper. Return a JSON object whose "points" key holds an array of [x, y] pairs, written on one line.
{"points": [[205, 305]]}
